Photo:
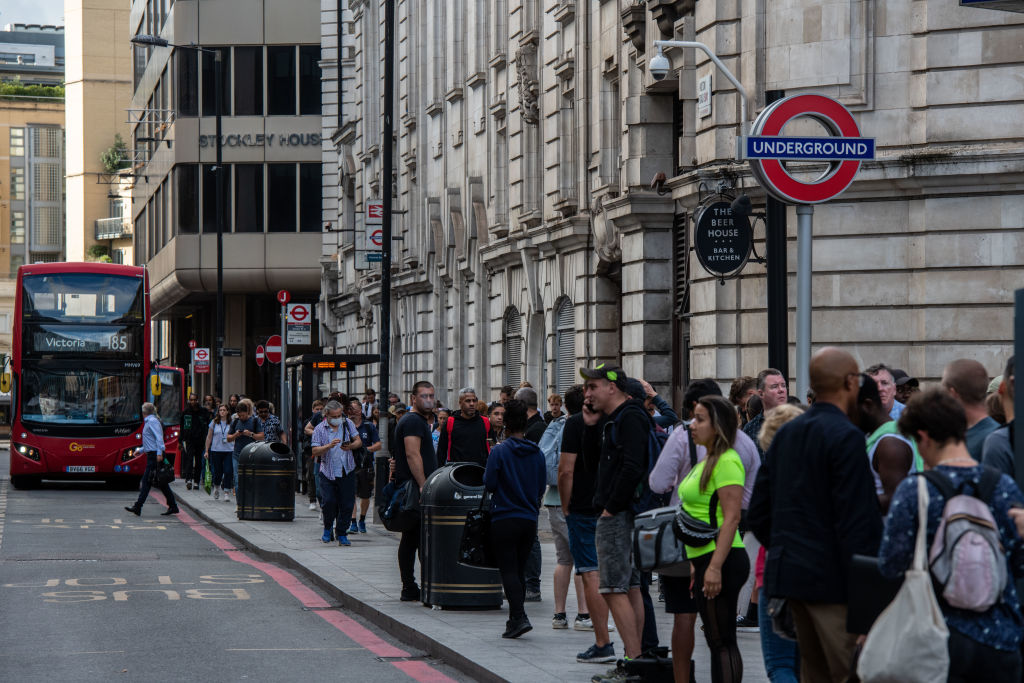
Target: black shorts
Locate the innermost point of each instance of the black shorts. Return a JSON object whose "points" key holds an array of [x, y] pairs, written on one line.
{"points": [[677, 595], [364, 483]]}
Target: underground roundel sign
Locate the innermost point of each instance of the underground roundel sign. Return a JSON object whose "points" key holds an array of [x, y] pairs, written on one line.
{"points": [[767, 150]]}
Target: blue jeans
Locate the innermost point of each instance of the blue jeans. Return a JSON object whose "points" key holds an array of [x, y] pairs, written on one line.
{"points": [[781, 656], [222, 472], [339, 497]]}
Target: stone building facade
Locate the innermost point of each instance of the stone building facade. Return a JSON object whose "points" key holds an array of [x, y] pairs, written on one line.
{"points": [[534, 238]]}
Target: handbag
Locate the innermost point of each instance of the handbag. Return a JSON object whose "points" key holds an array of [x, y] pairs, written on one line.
{"points": [[908, 642], [475, 546], [162, 474], [400, 506], [782, 618], [693, 531], [655, 545], [207, 477]]}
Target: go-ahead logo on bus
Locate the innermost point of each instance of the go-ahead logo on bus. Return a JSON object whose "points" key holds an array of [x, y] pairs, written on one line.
{"points": [[76, 447], [767, 149]]}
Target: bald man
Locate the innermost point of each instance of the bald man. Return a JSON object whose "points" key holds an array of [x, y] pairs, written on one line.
{"points": [[967, 380], [813, 508]]}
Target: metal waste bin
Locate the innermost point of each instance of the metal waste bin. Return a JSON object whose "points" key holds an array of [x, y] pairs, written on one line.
{"points": [[448, 494], [266, 476]]}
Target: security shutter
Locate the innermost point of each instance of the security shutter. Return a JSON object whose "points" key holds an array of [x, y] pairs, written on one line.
{"points": [[565, 347], [513, 348]]}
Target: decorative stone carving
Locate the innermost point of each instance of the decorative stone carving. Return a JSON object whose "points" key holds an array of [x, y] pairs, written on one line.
{"points": [[529, 91], [667, 12], [634, 21]]}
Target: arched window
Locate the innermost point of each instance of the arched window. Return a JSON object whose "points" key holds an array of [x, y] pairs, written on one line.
{"points": [[513, 348], [565, 346]]}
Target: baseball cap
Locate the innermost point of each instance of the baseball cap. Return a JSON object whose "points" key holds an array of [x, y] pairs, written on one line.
{"points": [[612, 373], [635, 389]]}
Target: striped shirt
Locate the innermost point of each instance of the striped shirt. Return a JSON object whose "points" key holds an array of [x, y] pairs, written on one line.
{"points": [[336, 462]]}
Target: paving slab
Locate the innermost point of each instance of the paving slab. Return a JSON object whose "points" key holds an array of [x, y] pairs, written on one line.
{"points": [[364, 579]]}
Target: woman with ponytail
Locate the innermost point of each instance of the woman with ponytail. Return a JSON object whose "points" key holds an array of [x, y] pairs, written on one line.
{"points": [[719, 568]]}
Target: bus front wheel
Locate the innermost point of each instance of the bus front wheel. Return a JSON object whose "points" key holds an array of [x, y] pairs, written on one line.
{"points": [[24, 481]]}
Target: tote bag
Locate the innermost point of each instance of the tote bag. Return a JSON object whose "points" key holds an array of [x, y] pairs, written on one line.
{"points": [[907, 644]]}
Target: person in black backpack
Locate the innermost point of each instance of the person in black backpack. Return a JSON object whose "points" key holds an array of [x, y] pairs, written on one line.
{"points": [[622, 469]]}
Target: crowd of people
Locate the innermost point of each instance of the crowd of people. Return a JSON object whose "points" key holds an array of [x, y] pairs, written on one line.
{"points": [[791, 490]]}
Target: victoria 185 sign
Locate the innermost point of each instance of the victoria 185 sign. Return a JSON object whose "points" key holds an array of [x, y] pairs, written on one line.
{"points": [[723, 241]]}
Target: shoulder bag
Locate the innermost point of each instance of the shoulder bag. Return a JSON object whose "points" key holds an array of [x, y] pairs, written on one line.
{"points": [[162, 474], [908, 642], [688, 528]]}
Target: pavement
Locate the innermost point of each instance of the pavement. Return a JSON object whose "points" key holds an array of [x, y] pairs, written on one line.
{"points": [[364, 579]]}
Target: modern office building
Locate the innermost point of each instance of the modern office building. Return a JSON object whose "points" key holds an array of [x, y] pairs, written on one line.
{"points": [[98, 91], [272, 173]]}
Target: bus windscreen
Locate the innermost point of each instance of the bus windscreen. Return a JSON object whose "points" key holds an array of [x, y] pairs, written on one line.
{"points": [[91, 298], [80, 397]]}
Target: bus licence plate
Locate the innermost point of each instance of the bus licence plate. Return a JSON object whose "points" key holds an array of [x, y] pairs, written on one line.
{"points": [[80, 468]]}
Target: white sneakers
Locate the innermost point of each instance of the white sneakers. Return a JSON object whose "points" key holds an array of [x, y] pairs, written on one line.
{"points": [[216, 493], [227, 497], [312, 506]]}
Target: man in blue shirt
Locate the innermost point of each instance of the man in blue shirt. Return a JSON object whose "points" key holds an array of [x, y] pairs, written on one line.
{"points": [[333, 441], [153, 447]]}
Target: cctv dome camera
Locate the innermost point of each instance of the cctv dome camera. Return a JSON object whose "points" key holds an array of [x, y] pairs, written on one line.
{"points": [[659, 66]]}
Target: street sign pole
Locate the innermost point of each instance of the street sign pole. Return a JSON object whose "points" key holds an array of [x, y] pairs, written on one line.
{"points": [[283, 408], [1018, 396], [804, 230]]}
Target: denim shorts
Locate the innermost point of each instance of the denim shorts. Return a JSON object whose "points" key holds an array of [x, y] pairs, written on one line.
{"points": [[581, 542], [614, 540]]}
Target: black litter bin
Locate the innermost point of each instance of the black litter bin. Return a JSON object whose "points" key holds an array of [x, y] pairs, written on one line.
{"points": [[266, 477], [448, 494]]}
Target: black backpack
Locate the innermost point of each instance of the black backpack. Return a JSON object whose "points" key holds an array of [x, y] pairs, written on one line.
{"points": [[643, 499]]}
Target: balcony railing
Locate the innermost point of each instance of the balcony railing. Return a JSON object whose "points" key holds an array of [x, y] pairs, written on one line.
{"points": [[112, 228]]}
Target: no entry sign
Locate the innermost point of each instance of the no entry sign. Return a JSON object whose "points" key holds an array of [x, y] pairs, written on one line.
{"points": [[261, 355], [273, 349], [766, 149]]}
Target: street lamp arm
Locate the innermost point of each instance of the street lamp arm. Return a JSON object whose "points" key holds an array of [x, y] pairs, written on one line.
{"points": [[156, 41], [689, 44]]}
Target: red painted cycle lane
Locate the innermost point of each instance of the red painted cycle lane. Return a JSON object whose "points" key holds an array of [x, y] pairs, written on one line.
{"points": [[356, 632]]}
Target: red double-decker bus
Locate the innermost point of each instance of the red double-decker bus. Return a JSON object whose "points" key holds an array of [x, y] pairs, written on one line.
{"points": [[79, 367]]}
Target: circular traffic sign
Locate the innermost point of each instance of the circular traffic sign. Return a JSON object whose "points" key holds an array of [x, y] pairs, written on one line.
{"points": [[192, 343], [377, 237], [260, 355], [299, 312], [283, 297], [772, 173], [273, 349]]}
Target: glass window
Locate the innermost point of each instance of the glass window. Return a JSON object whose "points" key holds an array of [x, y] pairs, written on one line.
{"points": [[48, 182], [310, 197], [83, 298], [281, 80], [141, 57], [17, 142], [209, 83], [188, 82], [80, 397], [210, 199], [186, 193], [281, 189], [248, 81], [47, 142], [17, 260], [47, 227], [248, 197], [17, 227], [17, 184], [309, 80]]}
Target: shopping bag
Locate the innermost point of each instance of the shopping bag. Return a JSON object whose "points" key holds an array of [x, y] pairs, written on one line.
{"points": [[207, 476], [475, 546], [908, 642]]}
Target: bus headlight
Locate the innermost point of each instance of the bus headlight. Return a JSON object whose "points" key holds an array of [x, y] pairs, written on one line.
{"points": [[128, 454], [26, 451]]}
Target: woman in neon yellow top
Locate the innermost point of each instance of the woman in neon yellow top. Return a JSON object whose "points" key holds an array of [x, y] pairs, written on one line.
{"points": [[720, 568]]}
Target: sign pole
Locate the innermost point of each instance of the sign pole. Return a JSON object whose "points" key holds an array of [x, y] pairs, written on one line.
{"points": [[1018, 396], [283, 408], [804, 224]]}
